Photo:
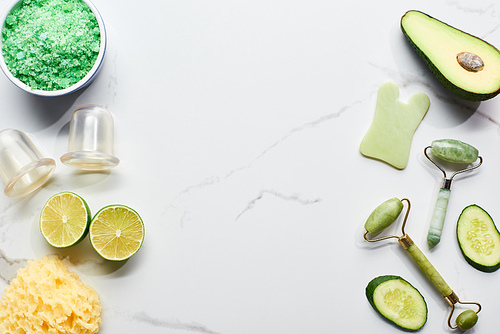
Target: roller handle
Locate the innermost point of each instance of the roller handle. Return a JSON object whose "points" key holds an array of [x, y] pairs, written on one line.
{"points": [[428, 269], [438, 216]]}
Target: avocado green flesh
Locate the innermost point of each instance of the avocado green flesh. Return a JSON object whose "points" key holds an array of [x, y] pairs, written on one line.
{"points": [[438, 44], [398, 301], [479, 239]]}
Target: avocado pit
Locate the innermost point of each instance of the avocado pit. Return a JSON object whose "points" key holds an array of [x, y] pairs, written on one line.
{"points": [[470, 61]]}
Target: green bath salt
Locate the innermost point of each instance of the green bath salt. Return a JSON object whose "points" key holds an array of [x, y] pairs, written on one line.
{"points": [[50, 44]]}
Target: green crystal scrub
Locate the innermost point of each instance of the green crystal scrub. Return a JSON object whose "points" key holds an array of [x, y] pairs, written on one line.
{"points": [[50, 44]]}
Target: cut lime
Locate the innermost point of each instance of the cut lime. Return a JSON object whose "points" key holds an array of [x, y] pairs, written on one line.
{"points": [[116, 232], [65, 219]]}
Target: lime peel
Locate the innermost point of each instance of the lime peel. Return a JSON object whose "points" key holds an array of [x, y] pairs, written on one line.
{"points": [[117, 232], [65, 219]]}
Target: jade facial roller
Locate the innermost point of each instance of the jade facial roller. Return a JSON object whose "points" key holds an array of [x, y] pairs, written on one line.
{"points": [[381, 218], [454, 152]]}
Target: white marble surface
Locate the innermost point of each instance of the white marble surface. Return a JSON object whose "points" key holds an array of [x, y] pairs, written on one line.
{"points": [[238, 126]]}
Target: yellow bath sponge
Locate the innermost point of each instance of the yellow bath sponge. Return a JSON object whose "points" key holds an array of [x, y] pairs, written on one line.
{"points": [[47, 298]]}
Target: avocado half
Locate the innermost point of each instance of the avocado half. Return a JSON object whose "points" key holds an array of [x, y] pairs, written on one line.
{"points": [[466, 65]]}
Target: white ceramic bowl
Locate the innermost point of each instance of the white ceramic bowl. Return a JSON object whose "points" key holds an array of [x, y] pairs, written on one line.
{"points": [[85, 81]]}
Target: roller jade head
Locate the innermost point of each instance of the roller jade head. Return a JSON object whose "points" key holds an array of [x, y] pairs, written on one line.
{"points": [[466, 320], [383, 216], [380, 219], [454, 151]]}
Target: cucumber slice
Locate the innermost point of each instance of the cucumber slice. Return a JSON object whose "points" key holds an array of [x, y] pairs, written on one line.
{"points": [[479, 239], [398, 301]]}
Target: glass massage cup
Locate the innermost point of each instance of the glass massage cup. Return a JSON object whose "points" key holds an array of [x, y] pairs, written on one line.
{"points": [[23, 168], [90, 143]]}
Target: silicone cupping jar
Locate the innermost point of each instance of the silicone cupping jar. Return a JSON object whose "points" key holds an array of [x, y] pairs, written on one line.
{"points": [[91, 139], [23, 168]]}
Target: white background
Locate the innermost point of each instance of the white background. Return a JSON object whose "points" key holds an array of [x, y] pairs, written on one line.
{"points": [[238, 126]]}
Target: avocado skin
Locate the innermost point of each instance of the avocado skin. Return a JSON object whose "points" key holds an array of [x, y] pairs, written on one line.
{"points": [[460, 92]]}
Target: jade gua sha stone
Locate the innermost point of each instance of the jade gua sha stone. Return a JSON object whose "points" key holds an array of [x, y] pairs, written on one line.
{"points": [[390, 135]]}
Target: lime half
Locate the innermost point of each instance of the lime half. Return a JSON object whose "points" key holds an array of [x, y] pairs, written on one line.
{"points": [[116, 232], [65, 219]]}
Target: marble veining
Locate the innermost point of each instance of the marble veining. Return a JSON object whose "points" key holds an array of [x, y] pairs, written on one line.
{"points": [[213, 180], [238, 128], [467, 8], [147, 321], [9, 267], [293, 197]]}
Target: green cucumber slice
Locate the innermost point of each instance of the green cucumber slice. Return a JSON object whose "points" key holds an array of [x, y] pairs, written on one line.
{"points": [[398, 301], [479, 239]]}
